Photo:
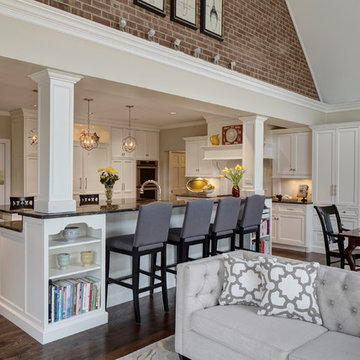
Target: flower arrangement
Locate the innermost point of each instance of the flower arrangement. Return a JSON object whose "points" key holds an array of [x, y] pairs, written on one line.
{"points": [[108, 177], [234, 175]]}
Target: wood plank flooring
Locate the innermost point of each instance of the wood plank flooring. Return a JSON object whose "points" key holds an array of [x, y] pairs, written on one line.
{"points": [[118, 338]]}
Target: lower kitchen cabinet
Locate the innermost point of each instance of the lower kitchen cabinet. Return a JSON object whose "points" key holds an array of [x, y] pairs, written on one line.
{"points": [[292, 224]]}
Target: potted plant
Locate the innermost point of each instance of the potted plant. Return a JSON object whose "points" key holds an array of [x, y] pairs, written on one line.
{"points": [[234, 175], [108, 178]]}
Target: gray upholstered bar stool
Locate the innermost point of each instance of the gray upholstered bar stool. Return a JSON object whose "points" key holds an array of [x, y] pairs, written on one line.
{"points": [[195, 230], [250, 219], [150, 236], [224, 226]]}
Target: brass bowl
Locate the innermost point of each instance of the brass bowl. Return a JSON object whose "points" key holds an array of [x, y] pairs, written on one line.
{"points": [[196, 184]]}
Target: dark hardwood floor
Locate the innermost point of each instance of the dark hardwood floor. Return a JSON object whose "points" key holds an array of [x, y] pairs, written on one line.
{"points": [[119, 337]]}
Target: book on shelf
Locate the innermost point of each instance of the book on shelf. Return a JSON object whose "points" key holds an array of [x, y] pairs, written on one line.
{"points": [[70, 297]]}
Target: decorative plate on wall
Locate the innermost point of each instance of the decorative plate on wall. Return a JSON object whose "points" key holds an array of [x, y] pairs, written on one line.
{"points": [[232, 134]]}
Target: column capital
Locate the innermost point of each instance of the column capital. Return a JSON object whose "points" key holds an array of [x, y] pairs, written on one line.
{"points": [[47, 74], [253, 118]]}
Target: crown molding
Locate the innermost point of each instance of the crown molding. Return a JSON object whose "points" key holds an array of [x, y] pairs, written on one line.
{"points": [[4, 113], [52, 18]]}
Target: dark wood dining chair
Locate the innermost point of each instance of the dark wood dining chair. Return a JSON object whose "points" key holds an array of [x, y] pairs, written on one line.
{"points": [[332, 237], [89, 199], [25, 202]]}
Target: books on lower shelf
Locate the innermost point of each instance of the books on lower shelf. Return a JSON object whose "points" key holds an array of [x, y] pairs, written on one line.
{"points": [[70, 297], [264, 240]]}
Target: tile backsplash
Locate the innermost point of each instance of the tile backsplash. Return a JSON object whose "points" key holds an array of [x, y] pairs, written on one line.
{"points": [[290, 186]]}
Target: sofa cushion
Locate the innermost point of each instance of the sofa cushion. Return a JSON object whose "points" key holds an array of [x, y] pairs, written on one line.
{"points": [[242, 282], [329, 346], [290, 290], [256, 337]]}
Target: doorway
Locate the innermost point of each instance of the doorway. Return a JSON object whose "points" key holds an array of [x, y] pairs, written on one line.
{"points": [[4, 171], [177, 179]]}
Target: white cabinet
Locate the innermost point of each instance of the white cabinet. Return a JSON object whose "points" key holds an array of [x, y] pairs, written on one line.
{"points": [[293, 155], [117, 137], [125, 187], [336, 166], [86, 164], [292, 224], [194, 164], [147, 145]]}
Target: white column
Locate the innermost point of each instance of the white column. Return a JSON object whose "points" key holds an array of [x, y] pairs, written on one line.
{"points": [[253, 153], [55, 126]]}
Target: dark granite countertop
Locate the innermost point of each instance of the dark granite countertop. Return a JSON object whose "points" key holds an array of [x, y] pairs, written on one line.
{"points": [[291, 201], [117, 206], [15, 225]]}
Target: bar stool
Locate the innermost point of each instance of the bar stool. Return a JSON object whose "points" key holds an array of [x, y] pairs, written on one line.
{"points": [[250, 220], [227, 215], [195, 230], [150, 237]]}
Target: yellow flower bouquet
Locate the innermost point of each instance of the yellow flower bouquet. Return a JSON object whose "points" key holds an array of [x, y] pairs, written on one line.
{"points": [[108, 177], [234, 175]]}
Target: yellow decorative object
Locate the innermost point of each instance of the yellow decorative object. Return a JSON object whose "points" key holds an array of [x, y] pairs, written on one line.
{"points": [[196, 184], [214, 139], [234, 175]]}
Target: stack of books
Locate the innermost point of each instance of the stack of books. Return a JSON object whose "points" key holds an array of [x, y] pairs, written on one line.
{"points": [[70, 297]]}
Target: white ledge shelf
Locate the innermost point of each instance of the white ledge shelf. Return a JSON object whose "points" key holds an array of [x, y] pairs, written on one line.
{"points": [[82, 240], [55, 273], [223, 152]]}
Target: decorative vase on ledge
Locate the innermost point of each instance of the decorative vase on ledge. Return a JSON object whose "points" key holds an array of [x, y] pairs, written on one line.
{"points": [[108, 194], [235, 191]]}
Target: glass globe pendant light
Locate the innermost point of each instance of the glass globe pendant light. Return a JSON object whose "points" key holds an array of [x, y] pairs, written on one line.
{"points": [[129, 143], [89, 140]]}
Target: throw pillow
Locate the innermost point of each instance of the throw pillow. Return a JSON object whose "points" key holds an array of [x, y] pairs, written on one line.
{"points": [[290, 290], [242, 282]]}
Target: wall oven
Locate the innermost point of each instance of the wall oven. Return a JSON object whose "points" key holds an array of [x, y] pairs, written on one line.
{"points": [[146, 170]]}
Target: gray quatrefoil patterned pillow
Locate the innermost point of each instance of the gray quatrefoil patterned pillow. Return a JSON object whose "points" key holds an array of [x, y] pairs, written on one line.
{"points": [[290, 290], [242, 282]]}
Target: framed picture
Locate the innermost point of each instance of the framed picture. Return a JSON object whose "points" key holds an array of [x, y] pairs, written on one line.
{"points": [[232, 134], [156, 6], [185, 12], [212, 20]]}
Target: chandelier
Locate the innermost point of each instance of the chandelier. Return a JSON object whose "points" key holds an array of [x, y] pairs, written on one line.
{"points": [[89, 140], [129, 143]]}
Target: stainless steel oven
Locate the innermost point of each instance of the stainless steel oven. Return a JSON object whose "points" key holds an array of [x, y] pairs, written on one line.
{"points": [[146, 170]]}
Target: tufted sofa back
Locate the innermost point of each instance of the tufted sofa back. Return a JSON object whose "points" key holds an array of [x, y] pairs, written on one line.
{"points": [[200, 285]]}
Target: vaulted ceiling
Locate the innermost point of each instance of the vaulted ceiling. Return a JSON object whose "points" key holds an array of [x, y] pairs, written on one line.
{"points": [[329, 31]]}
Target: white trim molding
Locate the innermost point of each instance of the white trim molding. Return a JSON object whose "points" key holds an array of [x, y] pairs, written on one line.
{"points": [[6, 142]]}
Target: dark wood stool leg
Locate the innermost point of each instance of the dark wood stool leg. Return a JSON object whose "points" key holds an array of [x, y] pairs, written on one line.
{"points": [[153, 271], [257, 240], [232, 244], [135, 284], [206, 247], [241, 239], [213, 244], [163, 279], [107, 272], [182, 251]]}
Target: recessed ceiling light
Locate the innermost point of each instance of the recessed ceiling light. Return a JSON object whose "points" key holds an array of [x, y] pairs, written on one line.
{"points": [[172, 113]]}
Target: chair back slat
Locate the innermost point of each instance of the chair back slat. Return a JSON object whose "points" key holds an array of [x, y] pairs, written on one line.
{"points": [[197, 218], [252, 211], [25, 202], [325, 213], [89, 199], [152, 224], [227, 214]]}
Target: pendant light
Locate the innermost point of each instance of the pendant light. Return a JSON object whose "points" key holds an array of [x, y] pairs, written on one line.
{"points": [[89, 140], [129, 143]]}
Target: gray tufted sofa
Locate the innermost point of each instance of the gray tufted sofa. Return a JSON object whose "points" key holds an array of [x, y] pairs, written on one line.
{"points": [[207, 331]]}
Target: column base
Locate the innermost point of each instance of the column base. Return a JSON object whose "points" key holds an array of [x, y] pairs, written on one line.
{"points": [[55, 206]]}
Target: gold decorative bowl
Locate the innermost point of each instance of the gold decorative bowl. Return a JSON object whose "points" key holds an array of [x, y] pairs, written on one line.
{"points": [[196, 184]]}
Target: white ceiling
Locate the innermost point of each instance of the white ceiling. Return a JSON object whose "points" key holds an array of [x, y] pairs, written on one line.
{"points": [[329, 31]]}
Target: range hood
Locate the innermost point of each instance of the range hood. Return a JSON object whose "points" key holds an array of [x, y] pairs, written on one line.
{"points": [[232, 152]]}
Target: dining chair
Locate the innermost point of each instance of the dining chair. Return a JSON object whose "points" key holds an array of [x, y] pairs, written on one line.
{"points": [[150, 236], [325, 214]]}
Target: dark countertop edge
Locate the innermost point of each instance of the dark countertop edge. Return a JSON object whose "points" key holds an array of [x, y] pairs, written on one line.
{"points": [[292, 202], [202, 196], [15, 225]]}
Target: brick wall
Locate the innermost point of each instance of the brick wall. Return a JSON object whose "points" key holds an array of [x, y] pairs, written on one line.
{"points": [[258, 34]]}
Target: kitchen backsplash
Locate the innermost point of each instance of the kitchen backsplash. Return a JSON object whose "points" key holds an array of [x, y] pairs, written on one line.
{"points": [[290, 186]]}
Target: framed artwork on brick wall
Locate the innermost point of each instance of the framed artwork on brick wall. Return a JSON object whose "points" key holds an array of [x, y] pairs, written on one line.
{"points": [[156, 6], [212, 19], [185, 12]]}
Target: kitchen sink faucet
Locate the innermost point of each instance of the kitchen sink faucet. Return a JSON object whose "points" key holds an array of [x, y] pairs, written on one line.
{"points": [[151, 182]]}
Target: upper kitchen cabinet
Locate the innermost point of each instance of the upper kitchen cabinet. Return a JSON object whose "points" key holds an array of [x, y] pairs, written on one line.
{"points": [[336, 165], [195, 166], [147, 145], [292, 154], [117, 137]]}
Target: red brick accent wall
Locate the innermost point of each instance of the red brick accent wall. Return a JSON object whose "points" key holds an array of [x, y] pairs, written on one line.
{"points": [[258, 34]]}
